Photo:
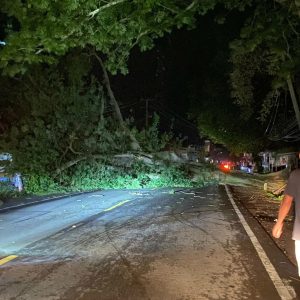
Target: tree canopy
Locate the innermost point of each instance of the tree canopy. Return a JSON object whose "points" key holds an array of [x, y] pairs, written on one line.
{"points": [[61, 132], [218, 118], [264, 59], [40, 31], [266, 55]]}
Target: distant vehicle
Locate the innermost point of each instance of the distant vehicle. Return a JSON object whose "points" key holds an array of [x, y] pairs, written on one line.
{"points": [[226, 166], [247, 169]]}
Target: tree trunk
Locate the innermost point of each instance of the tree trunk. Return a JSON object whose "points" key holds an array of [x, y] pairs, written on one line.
{"points": [[102, 111], [69, 164], [294, 100], [134, 143], [75, 161], [111, 95]]}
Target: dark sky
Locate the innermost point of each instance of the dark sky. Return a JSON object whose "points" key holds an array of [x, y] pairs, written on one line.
{"points": [[165, 74]]}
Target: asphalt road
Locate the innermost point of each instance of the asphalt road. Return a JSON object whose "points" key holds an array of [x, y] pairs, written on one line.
{"points": [[133, 245]]}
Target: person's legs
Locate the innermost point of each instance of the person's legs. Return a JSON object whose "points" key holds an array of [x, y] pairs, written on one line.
{"points": [[297, 252]]}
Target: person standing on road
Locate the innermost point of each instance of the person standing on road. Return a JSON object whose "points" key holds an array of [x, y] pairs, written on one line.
{"points": [[291, 193]]}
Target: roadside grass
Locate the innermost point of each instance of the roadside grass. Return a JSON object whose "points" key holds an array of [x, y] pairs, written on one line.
{"points": [[7, 191], [96, 176], [274, 196], [272, 184], [89, 177]]}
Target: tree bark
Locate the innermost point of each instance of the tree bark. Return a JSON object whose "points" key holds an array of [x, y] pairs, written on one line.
{"points": [[111, 95], [294, 100], [69, 164], [134, 143], [76, 161], [108, 5], [99, 156], [102, 106]]}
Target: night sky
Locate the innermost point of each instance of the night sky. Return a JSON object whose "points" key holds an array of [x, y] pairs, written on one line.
{"points": [[165, 74]]}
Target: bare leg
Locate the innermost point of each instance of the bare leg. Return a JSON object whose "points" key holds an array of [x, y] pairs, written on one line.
{"points": [[297, 252]]}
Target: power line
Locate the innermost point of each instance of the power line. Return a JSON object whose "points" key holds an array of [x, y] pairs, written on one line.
{"points": [[168, 116], [288, 130], [175, 114], [274, 115], [122, 106], [177, 118]]}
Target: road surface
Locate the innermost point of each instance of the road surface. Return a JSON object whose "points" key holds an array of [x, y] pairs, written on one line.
{"points": [[167, 244]]}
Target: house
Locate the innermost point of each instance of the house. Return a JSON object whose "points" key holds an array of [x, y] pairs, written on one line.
{"points": [[6, 179], [275, 161]]}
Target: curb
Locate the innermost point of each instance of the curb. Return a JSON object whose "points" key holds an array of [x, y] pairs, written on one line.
{"points": [[284, 291]]}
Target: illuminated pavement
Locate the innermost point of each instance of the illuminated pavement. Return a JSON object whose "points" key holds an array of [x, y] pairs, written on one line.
{"points": [[134, 245]]}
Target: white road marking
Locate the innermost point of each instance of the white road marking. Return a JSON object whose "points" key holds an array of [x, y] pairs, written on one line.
{"points": [[278, 283]]}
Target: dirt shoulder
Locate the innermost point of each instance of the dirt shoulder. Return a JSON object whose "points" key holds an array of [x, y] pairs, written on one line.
{"points": [[264, 209]]}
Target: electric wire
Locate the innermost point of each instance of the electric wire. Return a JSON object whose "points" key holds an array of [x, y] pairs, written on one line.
{"points": [[168, 114], [167, 117], [274, 114], [288, 131], [122, 106], [176, 114]]}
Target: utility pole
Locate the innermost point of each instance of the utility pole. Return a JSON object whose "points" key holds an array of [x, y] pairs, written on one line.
{"points": [[294, 100], [146, 112]]}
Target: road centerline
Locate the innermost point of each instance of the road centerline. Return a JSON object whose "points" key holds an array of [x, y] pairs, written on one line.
{"points": [[7, 259], [116, 205]]}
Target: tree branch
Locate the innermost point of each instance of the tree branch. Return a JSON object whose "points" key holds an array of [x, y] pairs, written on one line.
{"points": [[176, 12], [287, 46], [111, 95], [77, 160], [69, 164], [73, 137], [293, 28], [139, 37], [168, 8], [113, 3], [192, 5]]}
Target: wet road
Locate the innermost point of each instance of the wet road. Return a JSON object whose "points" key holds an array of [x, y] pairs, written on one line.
{"points": [[133, 245]]}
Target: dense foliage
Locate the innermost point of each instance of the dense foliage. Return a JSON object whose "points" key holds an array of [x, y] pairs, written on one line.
{"points": [[211, 104], [264, 65], [266, 56], [56, 123], [93, 175], [59, 114], [41, 31], [58, 118]]}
